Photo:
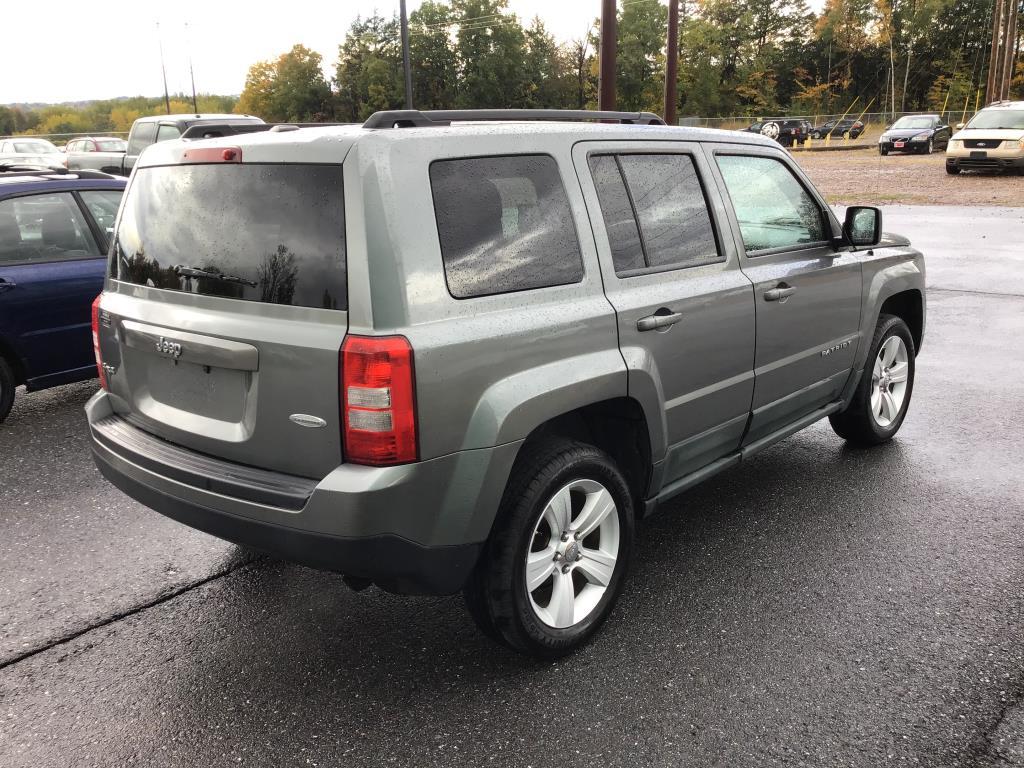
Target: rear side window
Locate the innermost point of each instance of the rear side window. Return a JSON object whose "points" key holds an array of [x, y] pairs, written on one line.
{"points": [[772, 206], [504, 225], [44, 228], [655, 212], [267, 233], [143, 135]]}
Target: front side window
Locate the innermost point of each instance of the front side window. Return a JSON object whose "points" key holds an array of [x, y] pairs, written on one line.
{"points": [[44, 228], [504, 225], [167, 132], [772, 206], [655, 212]]}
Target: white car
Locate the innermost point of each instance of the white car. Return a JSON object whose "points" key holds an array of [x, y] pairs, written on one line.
{"points": [[993, 139], [31, 151]]}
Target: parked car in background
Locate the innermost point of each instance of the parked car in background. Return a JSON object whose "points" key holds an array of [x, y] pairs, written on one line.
{"points": [[31, 151], [992, 140], [434, 354], [838, 129], [147, 131], [786, 131], [915, 133], [100, 153], [54, 233]]}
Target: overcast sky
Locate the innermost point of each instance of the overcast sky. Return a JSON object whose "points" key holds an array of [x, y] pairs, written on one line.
{"points": [[71, 51]]}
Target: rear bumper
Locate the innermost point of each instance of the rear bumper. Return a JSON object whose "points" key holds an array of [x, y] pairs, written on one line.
{"points": [[413, 529], [992, 162]]}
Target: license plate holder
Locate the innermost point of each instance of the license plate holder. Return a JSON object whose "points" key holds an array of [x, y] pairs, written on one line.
{"points": [[979, 155], [899, 144]]}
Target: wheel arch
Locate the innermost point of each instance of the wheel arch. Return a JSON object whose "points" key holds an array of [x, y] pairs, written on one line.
{"points": [[8, 353], [618, 426], [907, 305]]}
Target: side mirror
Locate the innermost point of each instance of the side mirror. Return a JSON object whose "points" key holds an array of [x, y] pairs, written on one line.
{"points": [[960, 126], [863, 226]]}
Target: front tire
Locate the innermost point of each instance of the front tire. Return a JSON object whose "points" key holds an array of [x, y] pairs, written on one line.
{"points": [[953, 170], [559, 553], [882, 398], [7, 386]]}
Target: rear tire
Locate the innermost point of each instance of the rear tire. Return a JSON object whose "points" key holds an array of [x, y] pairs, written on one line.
{"points": [[7, 386], [576, 579], [882, 398]]}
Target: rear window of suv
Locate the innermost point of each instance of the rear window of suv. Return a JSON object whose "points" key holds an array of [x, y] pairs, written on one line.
{"points": [[504, 225], [273, 233]]}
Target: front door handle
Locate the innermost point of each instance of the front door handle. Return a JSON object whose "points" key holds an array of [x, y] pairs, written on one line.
{"points": [[6, 285], [657, 321], [779, 294]]}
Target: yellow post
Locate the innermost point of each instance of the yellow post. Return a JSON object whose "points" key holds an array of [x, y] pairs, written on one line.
{"points": [[967, 102], [827, 135], [865, 111], [977, 100]]}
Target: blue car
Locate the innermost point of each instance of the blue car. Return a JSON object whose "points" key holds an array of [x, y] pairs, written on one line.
{"points": [[54, 234]]}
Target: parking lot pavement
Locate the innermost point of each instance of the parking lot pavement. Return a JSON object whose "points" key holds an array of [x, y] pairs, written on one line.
{"points": [[816, 606]]}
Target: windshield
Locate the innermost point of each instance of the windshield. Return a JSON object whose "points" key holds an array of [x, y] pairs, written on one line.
{"points": [[1012, 119], [914, 122], [34, 148], [277, 232], [111, 145]]}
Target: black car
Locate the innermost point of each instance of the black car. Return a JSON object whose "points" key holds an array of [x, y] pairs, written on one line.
{"points": [[915, 133], [786, 131], [838, 128]]}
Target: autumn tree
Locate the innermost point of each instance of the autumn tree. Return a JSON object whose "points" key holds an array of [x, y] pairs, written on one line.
{"points": [[290, 89]]}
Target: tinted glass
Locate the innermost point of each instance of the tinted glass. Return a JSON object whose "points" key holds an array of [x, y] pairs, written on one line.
{"points": [[773, 208], [1011, 119], [111, 145], [277, 232], [675, 226], [143, 135], [102, 205], [44, 228], [619, 221], [504, 224]]}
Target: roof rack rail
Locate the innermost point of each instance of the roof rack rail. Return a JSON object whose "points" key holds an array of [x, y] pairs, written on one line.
{"points": [[30, 169], [413, 118]]}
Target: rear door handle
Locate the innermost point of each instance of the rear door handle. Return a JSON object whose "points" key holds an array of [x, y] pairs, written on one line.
{"points": [[779, 294], [654, 322], [6, 285]]}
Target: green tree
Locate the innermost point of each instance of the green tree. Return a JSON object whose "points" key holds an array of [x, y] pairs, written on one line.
{"points": [[491, 51], [367, 72], [432, 56]]}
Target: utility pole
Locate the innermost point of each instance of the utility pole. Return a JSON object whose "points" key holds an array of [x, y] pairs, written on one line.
{"points": [[1010, 48], [993, 84], [405, 54], [606, 78], [672, 62], [163, 69], [191, 73]]}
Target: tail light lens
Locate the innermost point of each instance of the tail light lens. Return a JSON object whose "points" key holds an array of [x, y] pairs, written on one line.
{"points": [[378, 400], [96, 341]]}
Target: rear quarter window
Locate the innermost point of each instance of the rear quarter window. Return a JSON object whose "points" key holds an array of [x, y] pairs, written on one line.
{"points": [[504, 225]]}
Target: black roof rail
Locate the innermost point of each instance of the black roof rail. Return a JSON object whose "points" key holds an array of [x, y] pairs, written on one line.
{"points": [[217, 130], [29, 169], [414, 118]]}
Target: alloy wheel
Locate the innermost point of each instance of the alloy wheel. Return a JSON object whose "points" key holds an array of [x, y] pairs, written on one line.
{"points": [[572, 554], [889, 381]]}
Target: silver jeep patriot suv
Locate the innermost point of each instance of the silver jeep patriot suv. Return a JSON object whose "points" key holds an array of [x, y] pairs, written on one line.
{"points": [[449, 351]]}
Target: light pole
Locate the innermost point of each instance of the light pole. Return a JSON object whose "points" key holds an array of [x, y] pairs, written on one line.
{"points": [[606, 78], [405, 55]]}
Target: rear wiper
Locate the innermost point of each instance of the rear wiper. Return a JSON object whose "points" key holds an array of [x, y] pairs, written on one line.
{"points": [[183, 270]]}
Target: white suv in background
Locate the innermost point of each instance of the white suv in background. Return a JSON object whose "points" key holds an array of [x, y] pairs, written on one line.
{"points": [[993, 139]]}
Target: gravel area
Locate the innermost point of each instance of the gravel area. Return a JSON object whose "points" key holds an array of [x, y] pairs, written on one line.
{"points": [[864, 176]]}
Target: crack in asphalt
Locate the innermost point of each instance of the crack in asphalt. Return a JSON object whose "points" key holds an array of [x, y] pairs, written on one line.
{"points": [[158, 600], [981, 751], [933, 289]]}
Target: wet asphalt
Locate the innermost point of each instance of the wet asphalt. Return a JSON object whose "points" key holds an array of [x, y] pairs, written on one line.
{"points": [[816, 606]]}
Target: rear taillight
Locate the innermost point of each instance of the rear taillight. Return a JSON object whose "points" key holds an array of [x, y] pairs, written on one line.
{"points": [[378, 400], [96, 341], [212, 155]]}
